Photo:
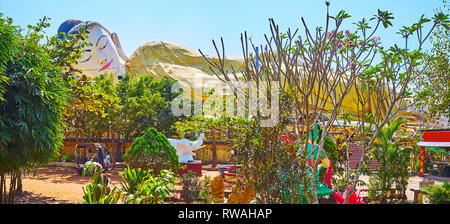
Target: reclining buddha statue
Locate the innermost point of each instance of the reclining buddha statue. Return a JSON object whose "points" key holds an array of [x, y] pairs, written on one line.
{"points": [[104, 55], [162, 58], [157, 58]]}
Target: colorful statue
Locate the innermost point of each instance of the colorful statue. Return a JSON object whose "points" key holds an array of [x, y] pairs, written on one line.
{"points": [[157, 58], [162, 58], [105, 53], [321, 189]]}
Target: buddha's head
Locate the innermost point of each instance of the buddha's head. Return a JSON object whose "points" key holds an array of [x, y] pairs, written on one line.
{"points": [[104, 55]]}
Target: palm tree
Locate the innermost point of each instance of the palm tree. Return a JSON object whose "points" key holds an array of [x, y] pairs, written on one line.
{"points": [[393, 159]]}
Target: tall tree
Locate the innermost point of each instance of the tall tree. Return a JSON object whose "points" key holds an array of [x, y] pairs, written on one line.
{"points": [[432, 87], [145, 102], [33, 106]]}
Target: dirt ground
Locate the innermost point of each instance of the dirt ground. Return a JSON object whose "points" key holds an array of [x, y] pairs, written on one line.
{"points": [[59, 184], [62, 184], [55, 185]]}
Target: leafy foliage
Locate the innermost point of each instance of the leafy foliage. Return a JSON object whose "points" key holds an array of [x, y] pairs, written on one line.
{"points": [[141, 187], [132, 178], [152, 151], [145, 102], [394, 159], [88, 109], [438, 194], [432, 87], [34, 100], [98, 192], [191, 187]]}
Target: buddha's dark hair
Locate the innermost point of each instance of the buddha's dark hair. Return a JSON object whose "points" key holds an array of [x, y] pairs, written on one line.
{"points": [[72, 26]]}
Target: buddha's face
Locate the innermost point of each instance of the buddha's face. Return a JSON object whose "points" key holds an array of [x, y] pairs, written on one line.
{"points": [[104, 54]]}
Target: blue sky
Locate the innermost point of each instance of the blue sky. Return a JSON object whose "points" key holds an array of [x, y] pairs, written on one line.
{"points": [[195, 23]]}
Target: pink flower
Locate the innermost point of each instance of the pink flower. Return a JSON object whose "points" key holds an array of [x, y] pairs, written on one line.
{"points": [[360, 43], [375, 39], [352, 65], [347, 32], [350, 43], [340, 44], [329, 34]]}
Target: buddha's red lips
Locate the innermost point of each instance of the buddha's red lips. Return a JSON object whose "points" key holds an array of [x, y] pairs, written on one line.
{"points": [[106, 66]]}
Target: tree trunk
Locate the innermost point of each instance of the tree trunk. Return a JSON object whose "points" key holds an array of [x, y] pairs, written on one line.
{"points": [[12, 187], [214, 150], [113, 152], [2, 188], [315, 199], [19, 182]]}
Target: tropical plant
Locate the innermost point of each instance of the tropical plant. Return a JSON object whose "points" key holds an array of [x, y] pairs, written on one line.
{"points": [[132, 179], [191, 187], [96, 195], [31, 126], [152, 151], [87, 110], [438, 194], [8, 47], [98, 192], [141, 187], [394, 160], [205, 193], [432, 87]]}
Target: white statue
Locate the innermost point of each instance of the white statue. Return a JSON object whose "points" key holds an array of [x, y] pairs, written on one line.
{"points": [[105, 53], [185, 148]]}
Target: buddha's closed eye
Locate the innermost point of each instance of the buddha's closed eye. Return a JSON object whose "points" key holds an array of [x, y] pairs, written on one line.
{"points": [[86, 60], [102, 42]]}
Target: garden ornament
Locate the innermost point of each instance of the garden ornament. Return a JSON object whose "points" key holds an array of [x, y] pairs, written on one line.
{"points": [[185, 148], [218, 188], [354, 197], [321, 189]]}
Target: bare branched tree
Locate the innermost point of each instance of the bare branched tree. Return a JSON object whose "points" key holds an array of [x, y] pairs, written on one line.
{"points": [[325, 70]]}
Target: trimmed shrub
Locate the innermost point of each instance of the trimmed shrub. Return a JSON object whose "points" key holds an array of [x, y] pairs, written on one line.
{"points": [[152, 151]]}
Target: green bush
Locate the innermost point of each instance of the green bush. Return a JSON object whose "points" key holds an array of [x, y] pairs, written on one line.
{"points": [[438, 194], [191, 187], [32, 102], [140, 187], [132, 178], [152, 151], [205, 194]]}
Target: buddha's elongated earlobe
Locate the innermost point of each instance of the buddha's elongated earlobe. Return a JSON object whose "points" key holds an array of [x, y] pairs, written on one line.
{"points": [[116, 41]]}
